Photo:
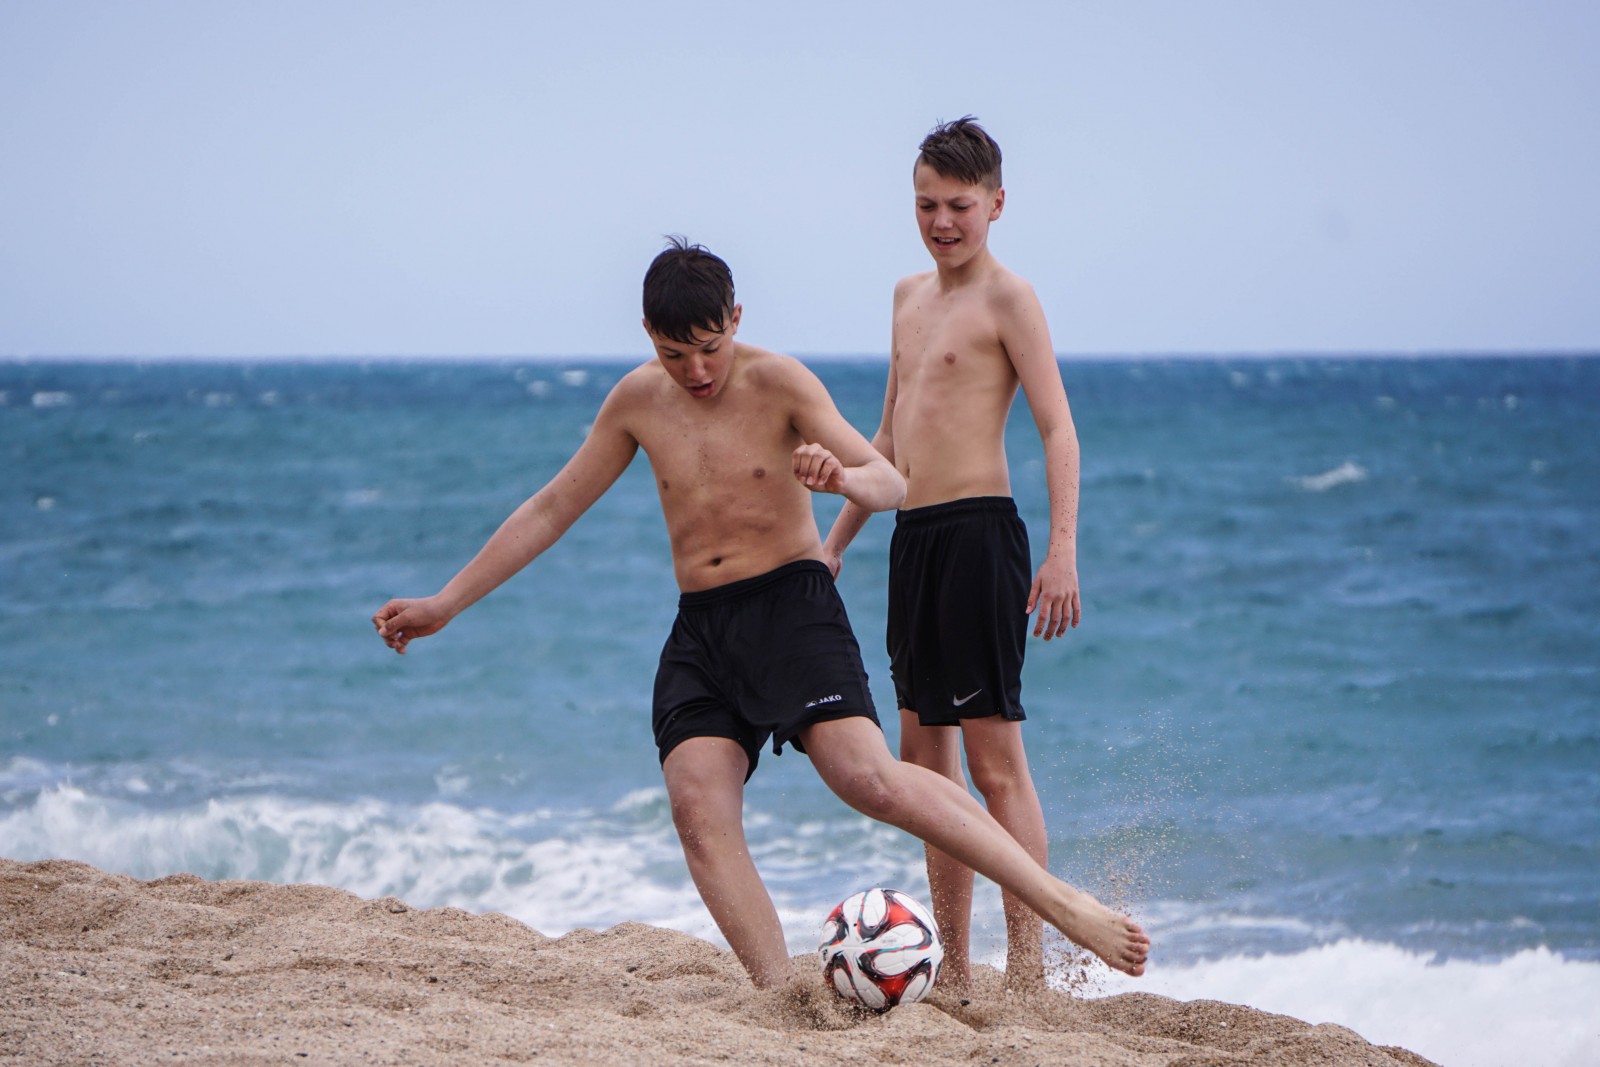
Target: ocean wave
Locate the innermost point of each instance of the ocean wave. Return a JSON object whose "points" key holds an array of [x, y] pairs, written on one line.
{"points": [[1533, 1006], [553, 869], [1346, 473]]}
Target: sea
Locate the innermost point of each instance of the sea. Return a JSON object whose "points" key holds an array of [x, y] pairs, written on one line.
{"points": [[1330, 727]]}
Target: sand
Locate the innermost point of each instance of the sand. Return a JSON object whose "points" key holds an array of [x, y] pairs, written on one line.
{"points": [[98, 968]]}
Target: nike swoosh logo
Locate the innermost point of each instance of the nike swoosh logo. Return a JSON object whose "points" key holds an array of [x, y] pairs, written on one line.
{"points": [[958, 701]]}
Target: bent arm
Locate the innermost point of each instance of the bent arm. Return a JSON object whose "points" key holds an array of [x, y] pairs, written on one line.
{"points": [[864, 477], [874, 486]]}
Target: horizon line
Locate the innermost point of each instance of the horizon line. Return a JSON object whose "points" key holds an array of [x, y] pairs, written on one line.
{"points": [[824, 357]]}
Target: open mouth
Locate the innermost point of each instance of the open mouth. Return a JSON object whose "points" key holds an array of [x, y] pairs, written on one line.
{"points": [[946, 242], [702, 390]]}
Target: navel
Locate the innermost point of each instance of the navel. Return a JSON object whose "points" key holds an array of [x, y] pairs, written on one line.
{"points": [[716, 561]]}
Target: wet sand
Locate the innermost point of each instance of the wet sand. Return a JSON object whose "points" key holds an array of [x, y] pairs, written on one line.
{"points": [[102, 968]]}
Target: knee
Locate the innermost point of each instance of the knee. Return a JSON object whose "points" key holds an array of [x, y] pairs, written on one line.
{"points": [[999, 778], [699, 814], [869, 791]]}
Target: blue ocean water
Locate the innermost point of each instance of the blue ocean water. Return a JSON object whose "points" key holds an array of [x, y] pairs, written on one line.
{"points": [[1335, 701]]}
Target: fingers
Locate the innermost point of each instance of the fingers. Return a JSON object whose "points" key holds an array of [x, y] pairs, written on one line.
{"points": [[1048, 621], [380, 620], [818, 469], [390, 623], [1057, 614]]}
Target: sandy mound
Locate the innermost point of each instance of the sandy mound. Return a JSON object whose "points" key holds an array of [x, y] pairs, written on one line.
{"points": [[101, 968]]}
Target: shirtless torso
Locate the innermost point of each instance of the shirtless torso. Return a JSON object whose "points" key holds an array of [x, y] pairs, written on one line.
{"points": [[723, 466], [950, 389], [963, 342]]}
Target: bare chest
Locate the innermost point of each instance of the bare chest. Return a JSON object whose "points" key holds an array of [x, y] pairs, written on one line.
{"points": [[718, 452], [948, 351]]}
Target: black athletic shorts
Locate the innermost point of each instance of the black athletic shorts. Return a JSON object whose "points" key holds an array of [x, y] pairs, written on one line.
{"points": [[959, 575], [759, 658]]}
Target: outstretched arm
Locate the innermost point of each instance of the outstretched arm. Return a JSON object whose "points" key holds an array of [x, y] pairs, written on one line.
{"points": [[1026, 337], [536, 525]]}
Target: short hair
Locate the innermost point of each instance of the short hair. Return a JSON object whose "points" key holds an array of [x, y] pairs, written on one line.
{"points": [[686, 288], [962, 150]]}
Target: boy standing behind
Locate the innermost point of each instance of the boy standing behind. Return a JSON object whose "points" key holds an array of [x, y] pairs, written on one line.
{"points": [[966, 334]]}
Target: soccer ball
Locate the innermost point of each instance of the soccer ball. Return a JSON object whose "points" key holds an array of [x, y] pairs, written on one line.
{"points": [[880, 948]]}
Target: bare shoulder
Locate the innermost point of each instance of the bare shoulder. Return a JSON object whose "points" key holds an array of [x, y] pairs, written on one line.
{"points": [[773, 370], [1010, 293], [786, 385], [635, 392], [637, 385], [911, 284]]}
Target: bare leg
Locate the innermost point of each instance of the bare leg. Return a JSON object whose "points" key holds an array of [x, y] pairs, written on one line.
{"points": [[705, 782], [853, 760], [1000, 771], [949, 880]]}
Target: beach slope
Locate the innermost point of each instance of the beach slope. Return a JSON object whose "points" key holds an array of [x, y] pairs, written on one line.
{"points": [[97, 967]]}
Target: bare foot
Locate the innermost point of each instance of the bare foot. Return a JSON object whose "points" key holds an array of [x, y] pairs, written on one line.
{"points": [[1119, 941]]}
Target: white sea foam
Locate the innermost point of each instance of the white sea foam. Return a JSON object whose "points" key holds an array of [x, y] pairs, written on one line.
{"points": [[1346, 473], [552, 870], [1533, 1007]]}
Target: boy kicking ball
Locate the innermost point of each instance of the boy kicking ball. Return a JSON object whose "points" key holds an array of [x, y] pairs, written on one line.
{"points": [[761, 650]]}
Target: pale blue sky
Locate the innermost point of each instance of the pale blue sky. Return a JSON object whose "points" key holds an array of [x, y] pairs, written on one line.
{"points": [[485, 178]]}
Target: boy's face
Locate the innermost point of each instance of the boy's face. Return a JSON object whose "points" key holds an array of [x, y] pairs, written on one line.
{"points": [[700, 366], [953, 216]]}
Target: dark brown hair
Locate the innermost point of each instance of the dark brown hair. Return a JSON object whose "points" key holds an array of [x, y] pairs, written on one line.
{"points": [[686, 288], [962, 150]]}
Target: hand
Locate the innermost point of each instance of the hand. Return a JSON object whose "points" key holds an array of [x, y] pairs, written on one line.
{"points": [[818, 469], [1055, 594], [398, 621]]}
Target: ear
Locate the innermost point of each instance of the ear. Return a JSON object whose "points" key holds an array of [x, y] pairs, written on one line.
{"points": [[999, 203], [733, 319]]}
